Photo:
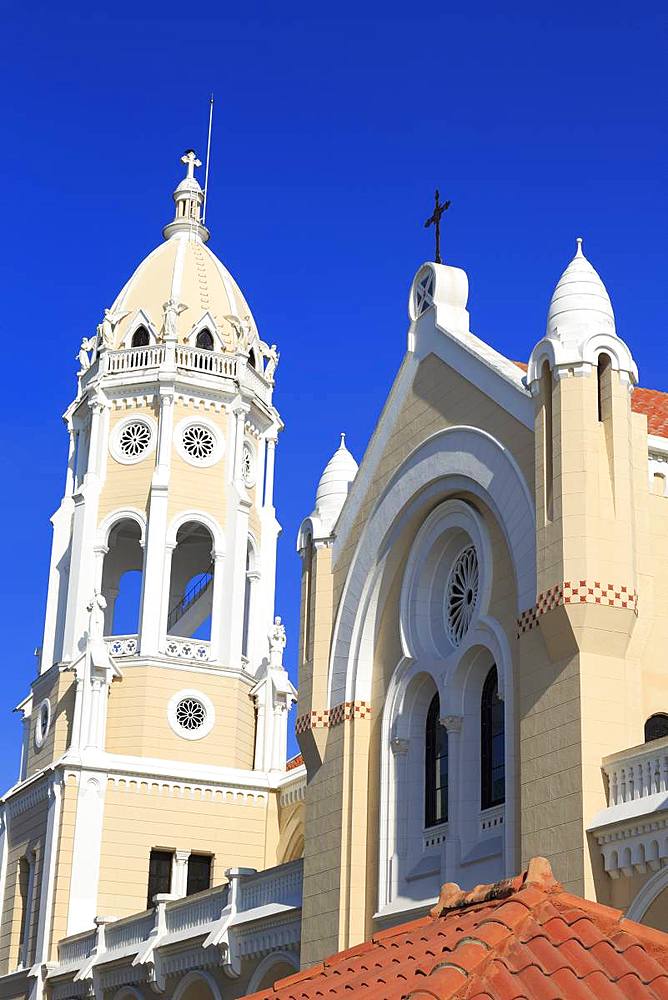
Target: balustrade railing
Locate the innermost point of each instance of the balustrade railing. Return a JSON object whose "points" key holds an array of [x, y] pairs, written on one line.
{"points": [[282, 884], [129, 932], [187, 649], [196, 359], [122, 645], [133, 358], [637, 773], [77, 948], [196, 911]]}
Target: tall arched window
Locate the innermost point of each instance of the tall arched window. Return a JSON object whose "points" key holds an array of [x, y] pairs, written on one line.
{"points": [[204, 340], [603, 384], [140, 337], [656, 727], [492, 744], [435, 767]]}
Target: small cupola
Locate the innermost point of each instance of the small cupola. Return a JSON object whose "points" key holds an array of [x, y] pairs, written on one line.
{"points": [[580, 326], [188, 199], [333, 488]]}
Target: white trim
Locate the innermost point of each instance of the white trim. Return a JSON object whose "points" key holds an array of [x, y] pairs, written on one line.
{"points": [[216, 433], [139, 318], [207, 704], [646, 896], [458, 458], [39, 735], [252, 478], [199, 517], [265, 965], [206, 322], [122, 514], [115, 437], [86, 851]]}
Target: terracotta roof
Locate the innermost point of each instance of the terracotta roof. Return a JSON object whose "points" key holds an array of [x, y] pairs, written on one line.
{"points": [[522, 938], [652, 402], [294, 762]]}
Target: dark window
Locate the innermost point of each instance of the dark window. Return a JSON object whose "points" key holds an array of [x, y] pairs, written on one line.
{"points": [[492, 744], [140, 337], [25, 901], [159, 874], [204, 340], [252, 360], [603, 386], [656, 727], [435, 767], [199, 873]]}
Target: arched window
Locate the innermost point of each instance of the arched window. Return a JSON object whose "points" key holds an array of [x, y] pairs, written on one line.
{"points": [[548, 447], [435, 767], [656, 727], [140, 337], [252, 361], [603, 386], [204, 340], [492, 744]]}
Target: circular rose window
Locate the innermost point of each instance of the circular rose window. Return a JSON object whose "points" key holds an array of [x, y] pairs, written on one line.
{"points": [[462, 594], [190, 714], [134, 439], [198, 442]]}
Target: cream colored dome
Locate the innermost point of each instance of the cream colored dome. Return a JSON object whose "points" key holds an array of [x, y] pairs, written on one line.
{"points": [[580, 300], [184, 270], [335, 482]]}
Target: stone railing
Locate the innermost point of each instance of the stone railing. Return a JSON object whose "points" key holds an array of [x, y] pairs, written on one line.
{"points": [[261, 908], [275, 885], [195, 359], [632, 831], [122, 645], [637, 773], [187, 649]]}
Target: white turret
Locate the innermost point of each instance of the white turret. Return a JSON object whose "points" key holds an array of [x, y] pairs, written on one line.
{"points": [[580, 325], [331, 494]]}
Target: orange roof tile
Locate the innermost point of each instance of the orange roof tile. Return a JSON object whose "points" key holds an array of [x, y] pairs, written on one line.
{"points": [[294, 762], [652, 402], [521, 938]]}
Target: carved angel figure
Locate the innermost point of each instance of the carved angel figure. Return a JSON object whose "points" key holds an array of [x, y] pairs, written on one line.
{"points": [[87, 344], [244, 332], [273, 356], [173, 310], [95, 609], [277, 637]]}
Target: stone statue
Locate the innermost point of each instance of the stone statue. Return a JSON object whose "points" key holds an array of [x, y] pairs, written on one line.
{"points": [[244, 332], [173, 310], [87, 344], [277, 641], [105, 330], [96, 608], [273, 356]]}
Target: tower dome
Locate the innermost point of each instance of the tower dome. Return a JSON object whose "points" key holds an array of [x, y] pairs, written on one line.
{"points": [[184, 272], [580, 300], [330, 496]]}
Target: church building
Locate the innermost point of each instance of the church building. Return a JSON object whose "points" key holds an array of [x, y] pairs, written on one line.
{"points": [[483, 685]]}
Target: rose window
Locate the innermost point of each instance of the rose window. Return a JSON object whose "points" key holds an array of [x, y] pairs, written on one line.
{"points": [[424, 292], [190, 714], [134, 439], [462, 594], [198, 442]]}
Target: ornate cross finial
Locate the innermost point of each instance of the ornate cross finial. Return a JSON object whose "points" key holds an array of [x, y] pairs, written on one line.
{"points": [[435, 220], [191, 161]]}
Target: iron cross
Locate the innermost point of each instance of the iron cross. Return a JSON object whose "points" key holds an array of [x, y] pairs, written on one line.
{"points": [[435, 220]]}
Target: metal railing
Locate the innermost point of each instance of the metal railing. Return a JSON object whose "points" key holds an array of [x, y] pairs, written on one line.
{"points": [[192, 594]]}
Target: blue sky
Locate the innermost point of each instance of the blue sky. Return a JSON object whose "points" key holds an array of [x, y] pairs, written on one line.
{"points": [[334, 123]]}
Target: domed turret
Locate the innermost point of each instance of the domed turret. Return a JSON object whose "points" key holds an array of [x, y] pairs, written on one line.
{"points": [[580, 325], [331, 494], [580, 301]]}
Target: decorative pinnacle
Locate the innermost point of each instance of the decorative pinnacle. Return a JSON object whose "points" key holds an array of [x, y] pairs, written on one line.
{"points": [[343, 440], [578, 252]]}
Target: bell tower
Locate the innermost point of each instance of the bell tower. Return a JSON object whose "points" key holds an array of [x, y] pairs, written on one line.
{"points": [[156, 729]]}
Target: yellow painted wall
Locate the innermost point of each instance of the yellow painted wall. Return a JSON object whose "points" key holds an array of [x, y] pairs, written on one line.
{"points": [[59, 688], [26, 834]]}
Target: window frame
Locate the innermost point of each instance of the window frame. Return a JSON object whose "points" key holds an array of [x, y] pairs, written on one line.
{"points": [[435, 754], [492, 727], [151, 891], [198, 856]]}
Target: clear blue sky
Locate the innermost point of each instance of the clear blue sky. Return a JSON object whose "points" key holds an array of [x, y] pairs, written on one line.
{"points": [[334, 124]]}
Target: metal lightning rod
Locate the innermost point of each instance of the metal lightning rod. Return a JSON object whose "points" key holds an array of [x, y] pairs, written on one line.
{"points": [[208, 154]]}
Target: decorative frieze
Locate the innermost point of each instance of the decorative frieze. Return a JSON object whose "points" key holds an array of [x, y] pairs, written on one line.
{"points": [[327, 718], [609, 595]]}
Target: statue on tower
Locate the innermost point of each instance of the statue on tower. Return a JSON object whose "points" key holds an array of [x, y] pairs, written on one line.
{"points": [[83, 357], [277, 642], [173, 310], [272, 355]]}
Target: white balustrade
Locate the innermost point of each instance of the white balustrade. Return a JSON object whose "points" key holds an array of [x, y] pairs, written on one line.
{"points": [[130, 932], [282, 884], [195, 359], [196, 911], [77, 948], [122, 645], [187, 649], [133, 358], [638, 773]]}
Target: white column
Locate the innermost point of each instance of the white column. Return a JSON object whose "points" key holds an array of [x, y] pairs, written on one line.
{"points": [[397, 834], [180, 873], [451, 849], [54, 623], [151, 621], [48, 877], [86, 852], [217, 604], [269, 473]]}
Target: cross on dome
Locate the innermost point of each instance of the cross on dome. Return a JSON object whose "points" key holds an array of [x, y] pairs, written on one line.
{"points": [[191, 160]]}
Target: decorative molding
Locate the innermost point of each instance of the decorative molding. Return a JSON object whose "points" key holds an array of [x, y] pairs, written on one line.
{"points": [[581, 592], [293, 794], [187, 789], [327, 718]]}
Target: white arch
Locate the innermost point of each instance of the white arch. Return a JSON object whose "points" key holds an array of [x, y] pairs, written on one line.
{"points": [[206, 322], [123, 514], [126, 992], [193, 977], [199, 517], [652, 888], [456, 459], [265, 965]]}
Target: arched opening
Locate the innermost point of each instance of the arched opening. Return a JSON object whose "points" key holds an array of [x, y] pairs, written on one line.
{"points": [[279, 970], [604, 386], [197, 986], [548, 448], [140, 338], [435, 767], [272, 968], [656, 727], [122, 578], [307, 571], [204, 340], [252, 360], [492, 744], [191, 583]]}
